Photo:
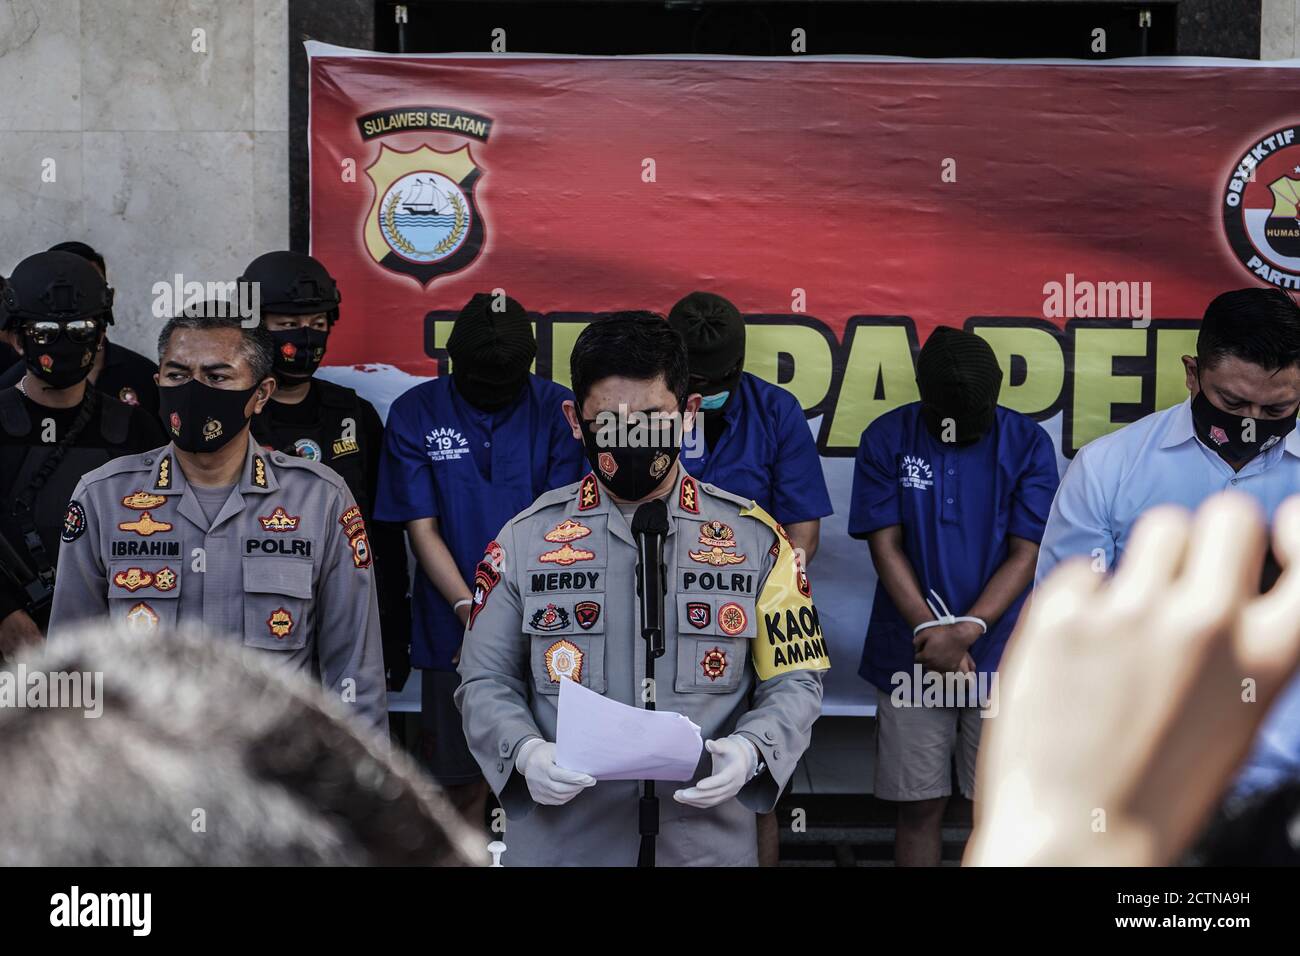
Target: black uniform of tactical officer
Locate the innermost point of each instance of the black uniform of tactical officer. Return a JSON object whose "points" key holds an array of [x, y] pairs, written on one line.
{"points": [[53, 428], [126, 375], [320, 421]]}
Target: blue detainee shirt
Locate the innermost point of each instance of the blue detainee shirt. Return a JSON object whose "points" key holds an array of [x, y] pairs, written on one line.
{"points": [[766, 453], [473, 471], [957, 507]]}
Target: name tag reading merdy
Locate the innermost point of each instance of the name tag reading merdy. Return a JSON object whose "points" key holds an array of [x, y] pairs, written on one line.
{"points": [[612, 741]]}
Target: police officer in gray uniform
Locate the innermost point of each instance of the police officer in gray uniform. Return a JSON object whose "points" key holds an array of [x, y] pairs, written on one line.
{"points": [[555, 599], [211, 529]]}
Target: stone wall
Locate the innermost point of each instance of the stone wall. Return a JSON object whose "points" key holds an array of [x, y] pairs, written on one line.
{"points": [[165, 159]]}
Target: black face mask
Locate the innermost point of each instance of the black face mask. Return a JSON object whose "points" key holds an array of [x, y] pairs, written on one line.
{"points": [[298, 352], [1225, 434], [630, 472], [62, 363], [200, 418], [488, 393]]}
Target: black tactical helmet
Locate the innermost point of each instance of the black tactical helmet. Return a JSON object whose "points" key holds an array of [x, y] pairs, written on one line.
{"points": [[293, 283], [91, 256], [54, 285]]}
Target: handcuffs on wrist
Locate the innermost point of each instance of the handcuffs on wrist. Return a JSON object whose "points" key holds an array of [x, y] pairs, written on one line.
{"points": [[946, 617]]}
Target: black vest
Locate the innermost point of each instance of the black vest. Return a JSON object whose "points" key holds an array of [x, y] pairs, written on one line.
{"points": [[50, 505], [347, 457]]}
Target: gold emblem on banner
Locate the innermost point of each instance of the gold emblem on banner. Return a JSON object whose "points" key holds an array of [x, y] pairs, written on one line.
{"points": [[423, 221]]}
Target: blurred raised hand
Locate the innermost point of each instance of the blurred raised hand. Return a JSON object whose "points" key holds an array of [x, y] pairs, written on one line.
{"points": [[1125, 704]]}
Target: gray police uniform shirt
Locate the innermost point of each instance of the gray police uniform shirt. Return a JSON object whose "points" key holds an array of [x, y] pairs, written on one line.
{"points": [[284, 566], [555, 597]]}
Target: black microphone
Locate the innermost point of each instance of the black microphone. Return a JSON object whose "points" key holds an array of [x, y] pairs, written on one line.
{"points": [[649, 528]]}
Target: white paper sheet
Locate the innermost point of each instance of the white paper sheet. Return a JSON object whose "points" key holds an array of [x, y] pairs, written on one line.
{"points": [[612, 741]]}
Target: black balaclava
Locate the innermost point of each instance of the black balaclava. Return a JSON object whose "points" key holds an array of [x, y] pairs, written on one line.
{"points": [[491, 352], [959, 379], [715, 341]]}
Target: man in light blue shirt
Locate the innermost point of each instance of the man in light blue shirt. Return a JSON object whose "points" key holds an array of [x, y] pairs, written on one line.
{"points": [[1235, 432]]}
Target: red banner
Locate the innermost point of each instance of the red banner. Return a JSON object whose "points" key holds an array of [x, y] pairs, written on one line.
{"points": [[1079, 216]]}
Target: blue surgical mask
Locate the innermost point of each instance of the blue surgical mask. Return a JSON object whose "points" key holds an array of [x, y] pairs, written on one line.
{"points": [[711, 403]]}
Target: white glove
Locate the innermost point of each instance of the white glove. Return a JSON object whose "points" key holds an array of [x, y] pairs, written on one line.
{"points": [[735, 761], [550, 784]]}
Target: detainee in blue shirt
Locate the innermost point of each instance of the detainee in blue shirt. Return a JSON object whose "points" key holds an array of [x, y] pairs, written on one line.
{"points": [[951, 493], [750, 438], [463, 454], [1236, 432]]}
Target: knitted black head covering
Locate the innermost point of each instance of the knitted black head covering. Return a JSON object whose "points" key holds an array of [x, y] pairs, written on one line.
{"points": [[492, 345], [491, 351], [959, 379], [714, 334]]}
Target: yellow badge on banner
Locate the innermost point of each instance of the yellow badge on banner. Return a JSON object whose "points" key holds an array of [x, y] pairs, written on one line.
{"points": [[789, 632]]}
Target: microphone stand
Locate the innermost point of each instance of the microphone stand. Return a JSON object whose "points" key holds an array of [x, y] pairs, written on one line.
{"points": [[649, 528]]}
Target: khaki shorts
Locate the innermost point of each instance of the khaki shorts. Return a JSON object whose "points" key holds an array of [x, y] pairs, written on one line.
{"points": [[915, 748]]}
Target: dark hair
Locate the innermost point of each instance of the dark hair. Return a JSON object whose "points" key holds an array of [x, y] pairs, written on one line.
{"points": [[285, 773], [636, 345], [1259, 326], [258, 344]]}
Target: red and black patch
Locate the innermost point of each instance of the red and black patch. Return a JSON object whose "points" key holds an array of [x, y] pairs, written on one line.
{"points": [[588, 493], [699, 614], [74, 522], [714, 663], [552, 617], [486, 577], [280, 623], [586, 613], [732, 618], [360, 549], [688, 496], [801, 581]]}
